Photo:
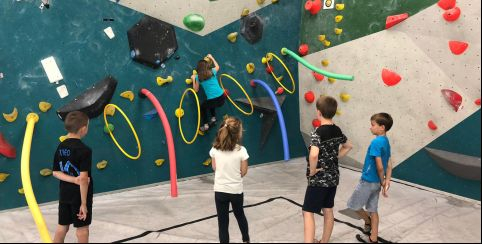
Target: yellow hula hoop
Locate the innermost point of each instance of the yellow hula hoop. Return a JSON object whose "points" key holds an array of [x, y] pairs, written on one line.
{"points": [[198, 116], [287, 70], [242, 89], [132, 128]]}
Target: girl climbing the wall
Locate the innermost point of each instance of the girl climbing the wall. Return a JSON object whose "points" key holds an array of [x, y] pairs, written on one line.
{"points": [[206, 76], [230, 164]]}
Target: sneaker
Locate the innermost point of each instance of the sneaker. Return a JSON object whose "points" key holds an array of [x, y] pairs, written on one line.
{"points": [[204, 128], [365, 239], [212, 122]]}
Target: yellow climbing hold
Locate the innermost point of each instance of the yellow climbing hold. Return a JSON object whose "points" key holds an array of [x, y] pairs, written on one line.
{"points": [[338, 31], [338, 112], [325, 62], [260, 1], [102, 164], [340, 6], [161, 81], [274, 1], [245, 12], [338, 18], [321, 38], [62, 138], [331, 80], [110, 110], [44, 106], [280, 78], [3, 177], [21, 191], [189, 81], [326, 43], [207, 162], [128, 94], [232, 37], [179, 113], [11, 117], [159, 162], [345, 97], [46, 172], [250, 68]]}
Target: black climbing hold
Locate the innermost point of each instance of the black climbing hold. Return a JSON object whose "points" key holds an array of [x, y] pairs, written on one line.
{"points": [[252, 28]]}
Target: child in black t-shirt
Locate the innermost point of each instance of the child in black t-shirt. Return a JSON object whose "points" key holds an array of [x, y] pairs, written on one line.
{"points": [[327, 145], [72, 166]]}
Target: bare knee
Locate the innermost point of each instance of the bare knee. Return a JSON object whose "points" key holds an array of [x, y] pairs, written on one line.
{"points": [[63, 229], [82, 233]]}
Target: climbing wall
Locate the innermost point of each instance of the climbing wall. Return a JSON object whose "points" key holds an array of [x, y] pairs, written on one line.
{"points": [[86, 55], [417, 50]]}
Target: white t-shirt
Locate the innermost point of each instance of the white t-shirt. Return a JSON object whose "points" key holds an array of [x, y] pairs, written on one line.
{"points": [[228, 169]]}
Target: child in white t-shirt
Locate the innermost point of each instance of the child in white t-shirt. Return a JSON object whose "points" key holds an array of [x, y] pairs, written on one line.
{"points": [[230, 163]]}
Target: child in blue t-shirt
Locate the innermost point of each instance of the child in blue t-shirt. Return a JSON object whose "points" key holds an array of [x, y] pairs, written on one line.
{"points": [[206, 76], [376, 176]]}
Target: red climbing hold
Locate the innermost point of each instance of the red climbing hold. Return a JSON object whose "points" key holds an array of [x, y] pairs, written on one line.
{"points": [[390, 78], [394, 20], [269, 69], [316, 123], [452, 14], [303, 50], [310, 97], [280, 91], [252, 84], [226, 93], [318, 77], [313, 6], [458, 47], [477, 102], [446, 4], [6, 149], [432, 125], [453, 98]]}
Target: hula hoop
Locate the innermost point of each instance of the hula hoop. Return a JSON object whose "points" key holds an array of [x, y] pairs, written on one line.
{"points": [[132, 128], [287, 70], [242, 89], [198, 116]]}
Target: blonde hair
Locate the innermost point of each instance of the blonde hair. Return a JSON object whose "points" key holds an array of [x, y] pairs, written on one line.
{"points": [[229, 134]]}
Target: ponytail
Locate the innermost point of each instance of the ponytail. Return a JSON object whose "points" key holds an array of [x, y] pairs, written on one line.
{"points": [[229, 134]]}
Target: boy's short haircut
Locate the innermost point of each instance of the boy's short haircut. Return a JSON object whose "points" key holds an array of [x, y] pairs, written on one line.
{"points": [[383, 119], [327, 106], [75, 120]]}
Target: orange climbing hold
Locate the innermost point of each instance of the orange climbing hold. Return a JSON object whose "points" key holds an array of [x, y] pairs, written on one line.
{"points": [[316, 123], [226, 93], [313, 6], [446, 4], [303, 49], [394, 20], [310, 97], [390, 78], [280, 91], [432, 125], [458, 47], [452, 14], [453, 98], [6, 149], [318, 77]]}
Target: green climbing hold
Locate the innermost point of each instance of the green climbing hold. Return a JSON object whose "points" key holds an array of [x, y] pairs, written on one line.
{"points": [[194, 22], [110, 128]]}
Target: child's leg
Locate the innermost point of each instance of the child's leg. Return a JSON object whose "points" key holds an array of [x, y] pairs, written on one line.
{"points": [[375, 220], [60, 233], [329, 222], [237, 202], [204, 111], [364, 215], [83, 234], [222, 208], [309, 220]]}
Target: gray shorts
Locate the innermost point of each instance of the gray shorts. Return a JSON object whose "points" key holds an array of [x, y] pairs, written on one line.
{"points": [[366, 195]]}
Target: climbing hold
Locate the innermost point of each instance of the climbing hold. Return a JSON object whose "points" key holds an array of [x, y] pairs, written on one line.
{"points": [[128, 94], [338, 31], [432, 125], [279, 91], [44, 106], [477, 102], [245, 12], [279, 79], [194, 22], [102, 164], [207, 162], [390, 78], [325, 62], [345, 97], [458, 47], [6, 149], [260, 1], [269, 57], [252, 28], [303, 49], [110, 110], [21, 191], [316, 123], [326, 43], [232, 37], [226, 93], [109, 128], [188, 81], [274, 1], [338, 18], [179, 112], [46, 172], [3, 177], [161, 81], [11, 117], [453, 98], [63, 138], [331, 80], [314, 6], [269, 69], [250, 68], [321, 38], [452, 14], [394, 20], [446, 4], [310, 97], [159, 162], [318, 77], [338, 112], [340, 6], [252, 84]]}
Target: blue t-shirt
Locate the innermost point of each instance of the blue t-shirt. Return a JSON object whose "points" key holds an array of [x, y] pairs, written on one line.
{"points": [[211, 86], [379, 147]]}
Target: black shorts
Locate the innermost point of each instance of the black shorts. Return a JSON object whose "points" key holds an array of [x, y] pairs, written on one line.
{"points": [[317, 198], [68, 215]]}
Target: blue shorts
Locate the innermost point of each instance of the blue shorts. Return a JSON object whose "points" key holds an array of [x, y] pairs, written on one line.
{"points": [[366, 195]]}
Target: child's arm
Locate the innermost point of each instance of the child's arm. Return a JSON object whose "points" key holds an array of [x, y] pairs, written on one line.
{"points": [[244, 168], [65, 177], [388, 178], [84, 188], [345, 148], [314, 151], [195, 84], [213, 163], [216, 66], [380, 171]]}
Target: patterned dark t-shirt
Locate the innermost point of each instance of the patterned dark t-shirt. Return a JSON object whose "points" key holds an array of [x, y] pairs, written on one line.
{"points": [[328, 139]]}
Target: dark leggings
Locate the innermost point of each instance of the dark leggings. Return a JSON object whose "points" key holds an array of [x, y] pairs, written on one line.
{"points": [[211, 105], [222, 207]]}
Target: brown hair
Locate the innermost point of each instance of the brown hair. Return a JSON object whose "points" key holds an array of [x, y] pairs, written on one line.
{"points": [[229, 134], [383, 119], [204, 71], [75, 120], [327, 106]]}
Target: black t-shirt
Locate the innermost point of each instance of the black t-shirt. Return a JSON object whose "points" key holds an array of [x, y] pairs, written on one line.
{"points": [[72, 157], [328, 139]]}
